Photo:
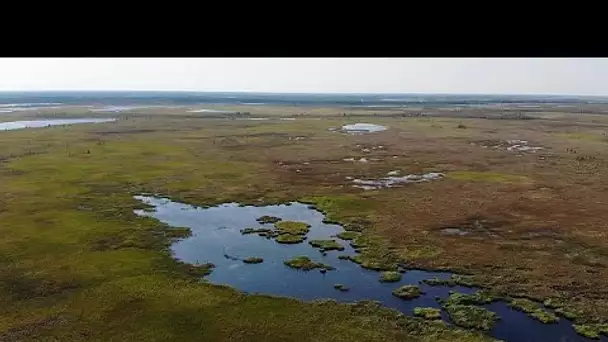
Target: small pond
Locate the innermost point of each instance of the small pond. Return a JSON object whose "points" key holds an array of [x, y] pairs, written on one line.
{"points": [[363, 128], [217, 238], [392, 181], [7, 126], [205, 110]]}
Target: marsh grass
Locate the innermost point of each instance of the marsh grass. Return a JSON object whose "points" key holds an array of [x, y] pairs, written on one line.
{"points": [[407, 292], [260, 231], [590, 137], [477, 298], [493, 177], [292, 227], [453, 280], [592, 331], [553, 303], [561, 309], [306, 264], [178, 233], [469, 316], [390, 277], [428, 313], [533, 310], [290, 239], [326, 245], [569, 313], [348, 235]]}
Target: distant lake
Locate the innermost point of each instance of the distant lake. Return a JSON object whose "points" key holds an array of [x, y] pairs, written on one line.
{"points": [[11, 125], [204, 110]]}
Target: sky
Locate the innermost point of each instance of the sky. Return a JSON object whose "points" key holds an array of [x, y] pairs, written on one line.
{"points": [[581, 76]]}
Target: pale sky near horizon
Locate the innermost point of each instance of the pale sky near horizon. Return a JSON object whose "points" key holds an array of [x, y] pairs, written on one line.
{"points": [[576, 76]]}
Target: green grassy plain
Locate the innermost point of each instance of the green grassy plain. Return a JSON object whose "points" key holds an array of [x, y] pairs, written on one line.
{"points": [[76, 264]]}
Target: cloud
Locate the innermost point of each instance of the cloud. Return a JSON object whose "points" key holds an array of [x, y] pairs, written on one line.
{"points": [[355, 75]]}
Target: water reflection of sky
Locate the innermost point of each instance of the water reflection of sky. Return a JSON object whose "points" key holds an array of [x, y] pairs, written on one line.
{"points": [[11, 125], [216, 233]]}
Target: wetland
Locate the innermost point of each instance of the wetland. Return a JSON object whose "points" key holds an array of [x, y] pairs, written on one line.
{"points": [[304, 271], [254, 230]]}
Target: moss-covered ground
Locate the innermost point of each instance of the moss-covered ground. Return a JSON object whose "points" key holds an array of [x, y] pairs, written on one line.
{"points": [[306, 264], [427, 313], [470, 316], [533, 309], [292, 227], [326, 245], [390, 276], [407, 292]]}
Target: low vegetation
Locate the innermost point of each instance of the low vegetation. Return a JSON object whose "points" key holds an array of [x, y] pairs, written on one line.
{"points": [[591, 330], [178, 233], [359, 241], [533, 310], [290, 239], [348, 235], [464, 312], [253, 260], [292, 227], [477, 298], [492, 177], [304, 263], [455, 279], [370, 264], [199, 270], [326, 245], [407, 292], [470, 316], [268, 219], [341, 287], [427, 313], [569, 313], [390, 277], [553, 303], [260, 231], [561, 309], [269, 234]]}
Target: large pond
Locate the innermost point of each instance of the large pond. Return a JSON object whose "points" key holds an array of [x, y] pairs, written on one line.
{"points": [[11, 125], [217, 238]]}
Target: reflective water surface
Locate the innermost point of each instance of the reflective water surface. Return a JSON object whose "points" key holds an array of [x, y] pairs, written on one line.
{"points": [[11, 125], [363, 128], [216, 238]]}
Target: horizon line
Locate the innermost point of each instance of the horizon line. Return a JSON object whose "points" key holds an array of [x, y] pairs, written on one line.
{"points": [[292, 93]]}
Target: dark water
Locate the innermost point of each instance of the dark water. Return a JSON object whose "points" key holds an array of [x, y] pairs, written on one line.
{"points": [[216, 233], [7, 126]]}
